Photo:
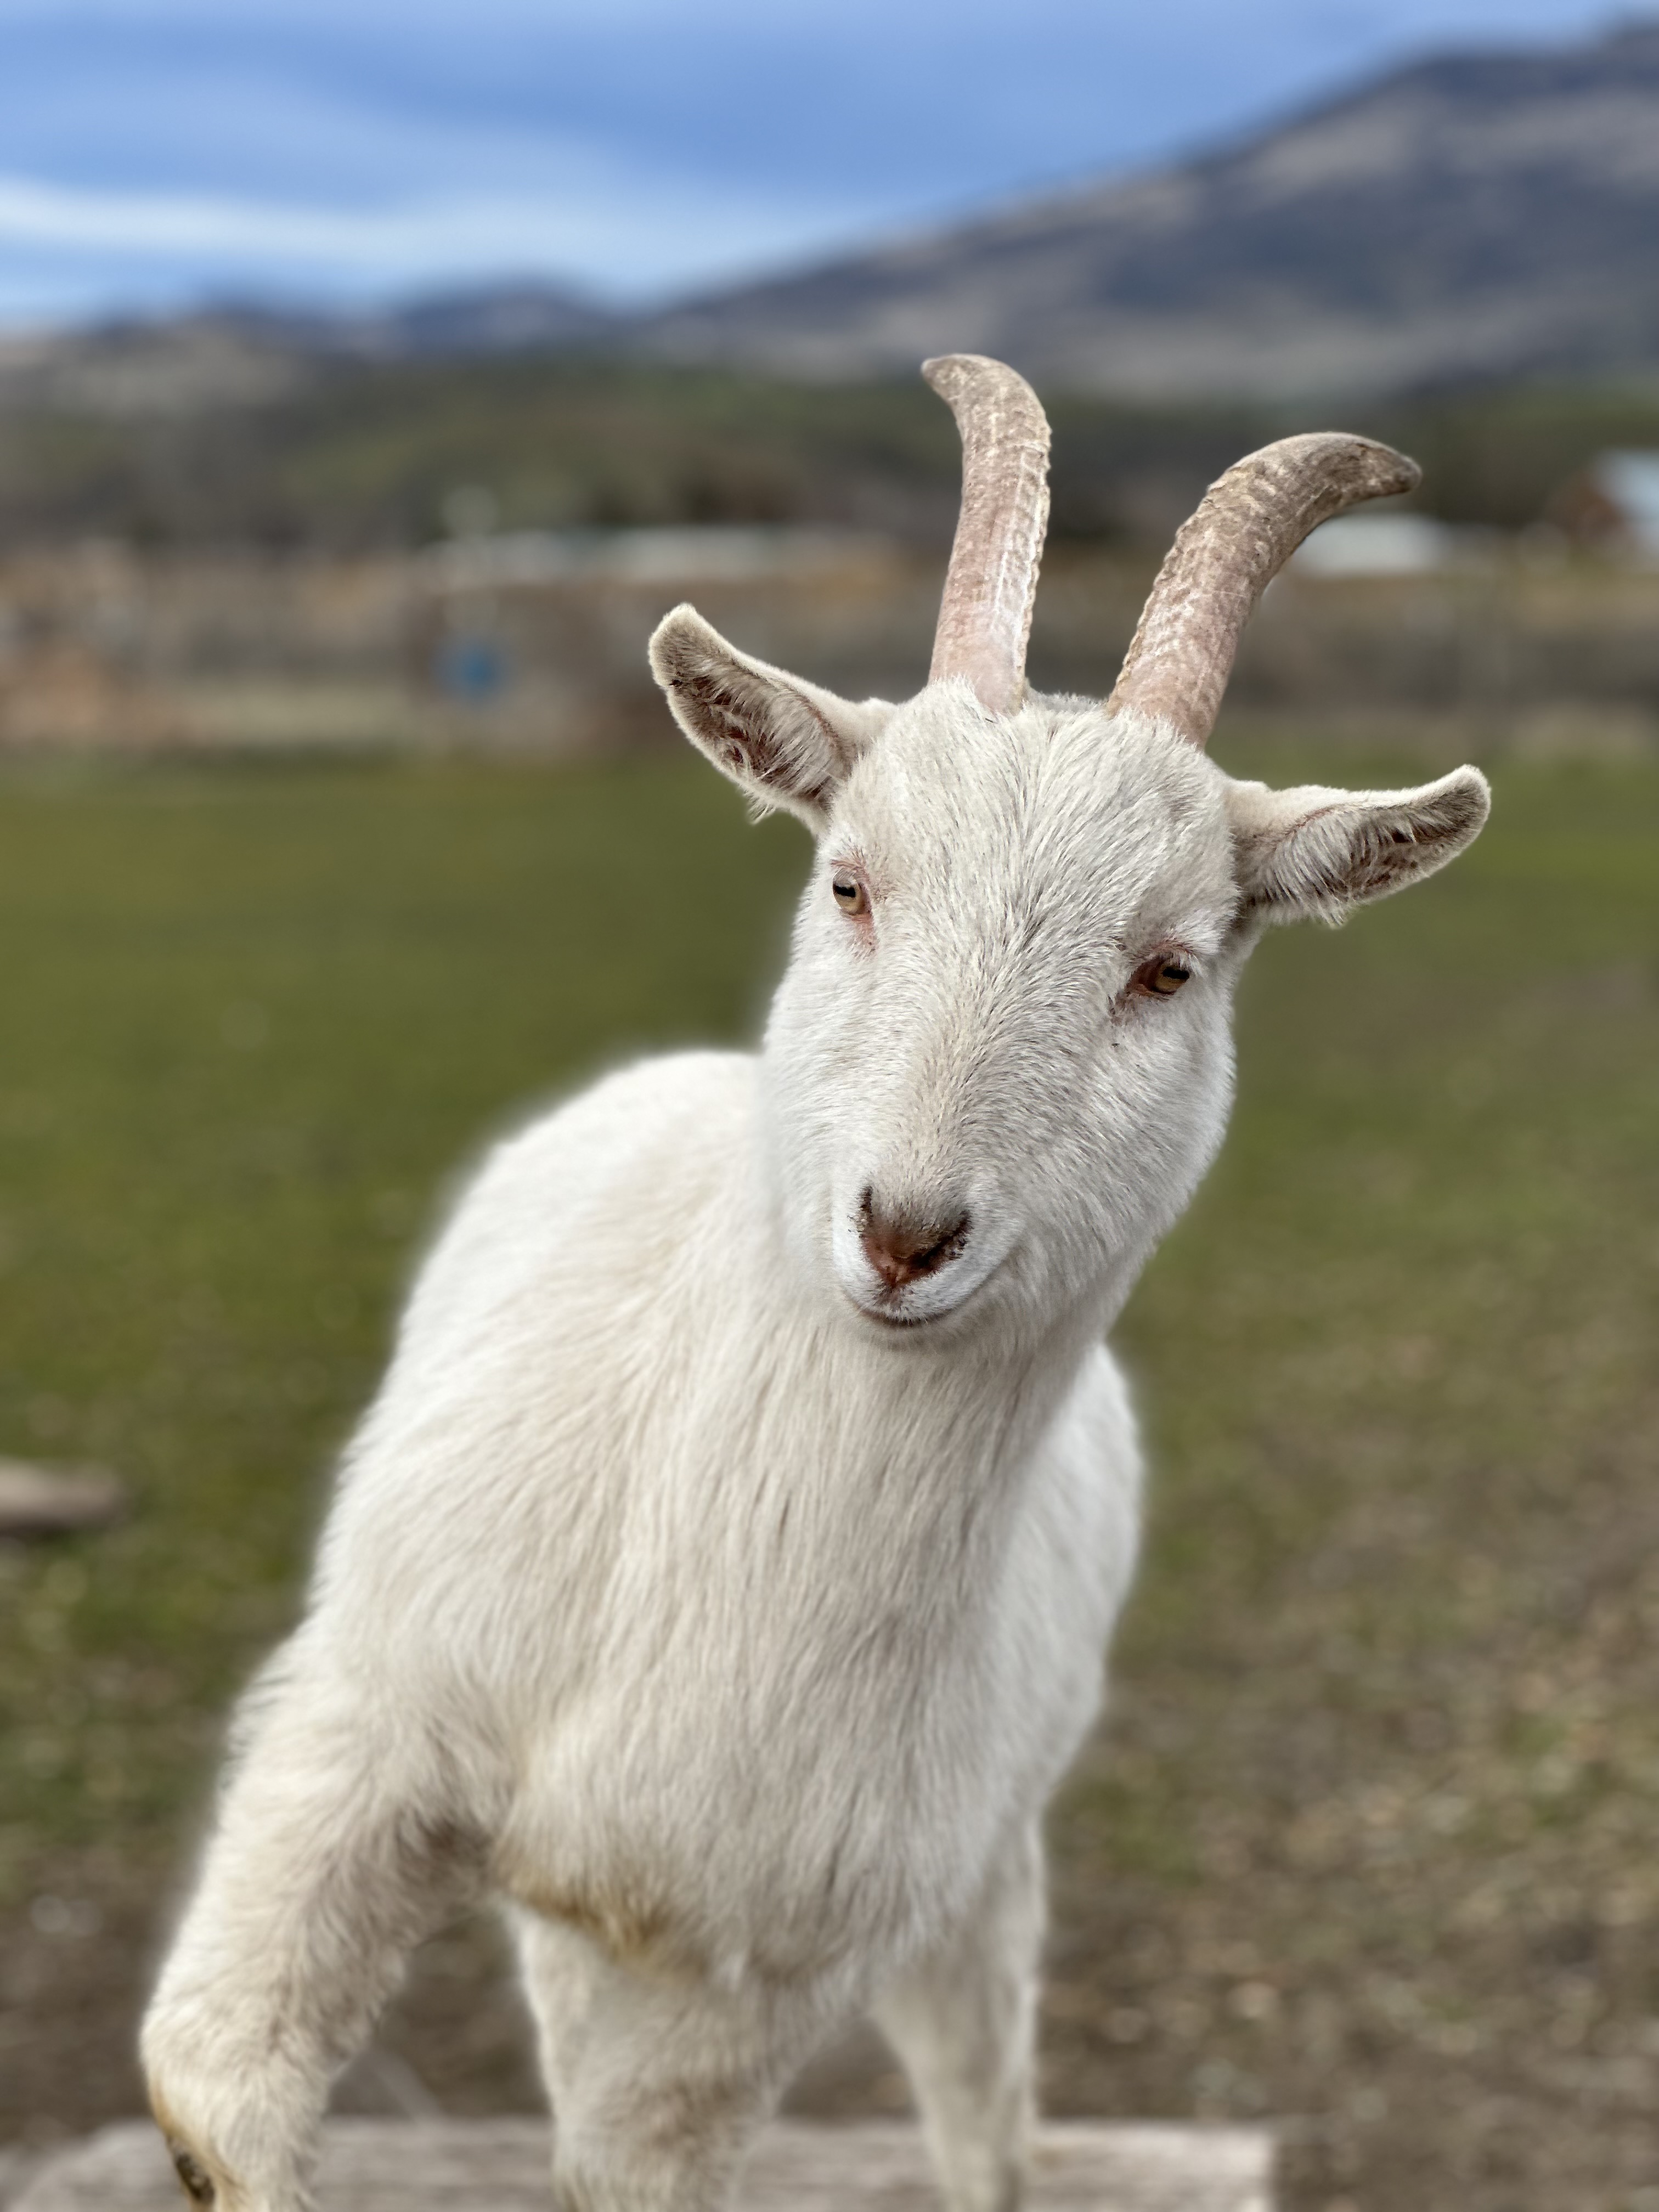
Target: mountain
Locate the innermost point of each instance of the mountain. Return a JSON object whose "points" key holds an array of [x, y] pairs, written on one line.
{"points": [[529, 316], [238, 356], [1469, 219], [1465, 218]]}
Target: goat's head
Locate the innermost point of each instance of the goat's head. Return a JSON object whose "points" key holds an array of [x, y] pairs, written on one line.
{"points": [[1001, 1058]]}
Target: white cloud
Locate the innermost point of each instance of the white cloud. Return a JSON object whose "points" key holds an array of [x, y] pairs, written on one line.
{"points": [[621, 235]]}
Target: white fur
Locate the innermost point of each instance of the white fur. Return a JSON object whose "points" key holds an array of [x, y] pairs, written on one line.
{"points": [[672, 1592]]}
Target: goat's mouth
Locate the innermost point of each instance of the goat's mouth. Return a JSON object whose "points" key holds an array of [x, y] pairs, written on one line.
{"points": [[900, 1322], [892, 1314]]}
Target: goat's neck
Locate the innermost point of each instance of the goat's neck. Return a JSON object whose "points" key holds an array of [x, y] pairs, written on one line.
{"points": [[971, 1402]]}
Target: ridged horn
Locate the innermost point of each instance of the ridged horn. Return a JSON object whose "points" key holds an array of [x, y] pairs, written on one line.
{"points": [[1246, 528], [985, 617]]}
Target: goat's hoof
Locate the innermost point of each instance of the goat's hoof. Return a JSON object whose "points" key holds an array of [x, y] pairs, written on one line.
{"points": [[188, 2167]]}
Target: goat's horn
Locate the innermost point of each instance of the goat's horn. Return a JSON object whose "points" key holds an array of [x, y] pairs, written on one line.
{"points": [[985, 617], [1247, 527]]}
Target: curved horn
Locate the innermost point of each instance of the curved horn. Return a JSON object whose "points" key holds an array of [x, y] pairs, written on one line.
{"points": [[985, 617], [1247, 527]]}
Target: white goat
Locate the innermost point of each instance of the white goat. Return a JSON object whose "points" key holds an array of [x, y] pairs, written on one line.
{"points": [[723, 1574]]}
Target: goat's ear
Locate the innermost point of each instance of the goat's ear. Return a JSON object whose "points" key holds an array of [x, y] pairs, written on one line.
{"points": [[1315, 851], [784, 741]]}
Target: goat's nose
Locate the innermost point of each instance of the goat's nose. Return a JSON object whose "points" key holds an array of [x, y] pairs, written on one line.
{"points": [[903, 1245]]}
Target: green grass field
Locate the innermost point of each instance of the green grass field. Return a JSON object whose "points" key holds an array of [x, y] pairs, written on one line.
{"points": [[1369, 1842]]}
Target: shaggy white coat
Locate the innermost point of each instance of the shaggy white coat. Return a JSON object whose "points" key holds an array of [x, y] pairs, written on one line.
{"points": [[730, 1613]]}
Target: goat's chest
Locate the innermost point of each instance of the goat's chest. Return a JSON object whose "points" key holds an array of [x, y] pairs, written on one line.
{"points": [[821, 1686]]}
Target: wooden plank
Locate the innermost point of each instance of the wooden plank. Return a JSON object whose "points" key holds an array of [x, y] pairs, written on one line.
{"points": [[501, 2166], [18, 2167]]}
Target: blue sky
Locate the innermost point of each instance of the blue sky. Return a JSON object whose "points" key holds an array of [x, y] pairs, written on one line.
{"points": [[155, 152]]}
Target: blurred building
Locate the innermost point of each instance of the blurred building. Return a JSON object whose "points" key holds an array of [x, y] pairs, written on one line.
{"points": [[1613, 503], [1386, 544]]}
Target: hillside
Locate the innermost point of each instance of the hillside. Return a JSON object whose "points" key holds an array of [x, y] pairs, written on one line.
{"points": [[239, 356], [360, 455], [1466, 219]]}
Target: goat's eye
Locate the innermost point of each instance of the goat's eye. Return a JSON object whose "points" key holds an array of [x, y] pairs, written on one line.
{"points": [[850, 893], [1163, 975]]}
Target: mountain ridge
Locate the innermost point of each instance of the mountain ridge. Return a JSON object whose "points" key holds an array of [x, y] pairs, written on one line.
{"points": [[1462, 217], [1465, 218]]}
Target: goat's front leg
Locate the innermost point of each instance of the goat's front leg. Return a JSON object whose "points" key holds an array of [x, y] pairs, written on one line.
{"points": [[964, 2020], [333, 1853], [658, 2082]]}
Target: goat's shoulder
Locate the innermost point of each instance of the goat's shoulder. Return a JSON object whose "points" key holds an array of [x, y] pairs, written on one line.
{"points": [[653, 1139], [680, 1108]]}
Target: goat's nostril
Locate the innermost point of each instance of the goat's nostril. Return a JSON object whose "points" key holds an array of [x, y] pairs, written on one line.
{"points": [[902, 1247]]}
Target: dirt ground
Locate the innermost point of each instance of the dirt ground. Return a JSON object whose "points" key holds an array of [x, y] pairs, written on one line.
{"points": [[1524, 2100]]}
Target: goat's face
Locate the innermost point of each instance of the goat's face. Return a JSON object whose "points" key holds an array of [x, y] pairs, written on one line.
{"points": [[1001, 1060]]}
